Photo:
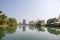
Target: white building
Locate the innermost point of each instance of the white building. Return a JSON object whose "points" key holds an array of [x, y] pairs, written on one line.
{"points": [[31, 22], [24, 21], [58, 20]]}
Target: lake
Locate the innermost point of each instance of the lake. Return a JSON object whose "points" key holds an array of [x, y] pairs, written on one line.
{"points": [[29, 32]]}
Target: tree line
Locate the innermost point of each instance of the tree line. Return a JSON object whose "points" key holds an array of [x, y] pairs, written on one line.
{"points": [[6, 21]]}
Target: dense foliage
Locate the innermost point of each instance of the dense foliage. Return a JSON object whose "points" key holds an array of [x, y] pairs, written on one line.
{"points": [[5, 21], [39, 23], [53, 20]]}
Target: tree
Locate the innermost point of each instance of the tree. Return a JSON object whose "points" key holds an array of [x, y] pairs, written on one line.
{"points": [[53, 20], [3, 18], [12, 21], [5, 21], [40, 22], [0, 12]]}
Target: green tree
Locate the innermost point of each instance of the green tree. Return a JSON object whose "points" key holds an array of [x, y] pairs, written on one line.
{"points": [[5, 21], [39, 23], [12, 21], [3, 18], [0, 12], [53, 20]]}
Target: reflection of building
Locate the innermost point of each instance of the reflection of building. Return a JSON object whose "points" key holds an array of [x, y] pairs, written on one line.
{"points": [[31, 27], [24, 28], [31, 22], [20, 23], [24, 21]]}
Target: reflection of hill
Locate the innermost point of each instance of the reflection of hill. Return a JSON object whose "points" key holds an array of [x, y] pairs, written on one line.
{"points": [[55, 31], [10, 29], [2, 33]]}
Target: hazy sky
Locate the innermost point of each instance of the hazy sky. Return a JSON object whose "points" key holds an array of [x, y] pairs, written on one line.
{"points": [[30, 9]]}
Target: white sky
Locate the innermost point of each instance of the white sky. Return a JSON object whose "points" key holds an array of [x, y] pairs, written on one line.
{"points": [[31, 9]]}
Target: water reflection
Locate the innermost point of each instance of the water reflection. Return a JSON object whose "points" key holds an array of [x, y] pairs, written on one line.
{"points": [[31, 27], [55, 31], [32, 30], [11, 29], [7, 30], [40, 28], [51, 30], [23, 27], [2, 32]]}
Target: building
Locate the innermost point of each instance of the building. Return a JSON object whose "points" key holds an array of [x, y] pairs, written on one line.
{"points": [[20, 23], [59, 18], [54, 21], [24, 21], [31, 22]]}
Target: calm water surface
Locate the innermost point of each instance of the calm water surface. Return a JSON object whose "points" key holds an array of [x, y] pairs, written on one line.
{"points": [[29, 33]]}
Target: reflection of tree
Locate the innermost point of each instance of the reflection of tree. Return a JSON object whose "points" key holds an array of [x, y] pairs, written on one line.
{"points": [[2, 32], [11, 29], [53, 30], [39, 28]]}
